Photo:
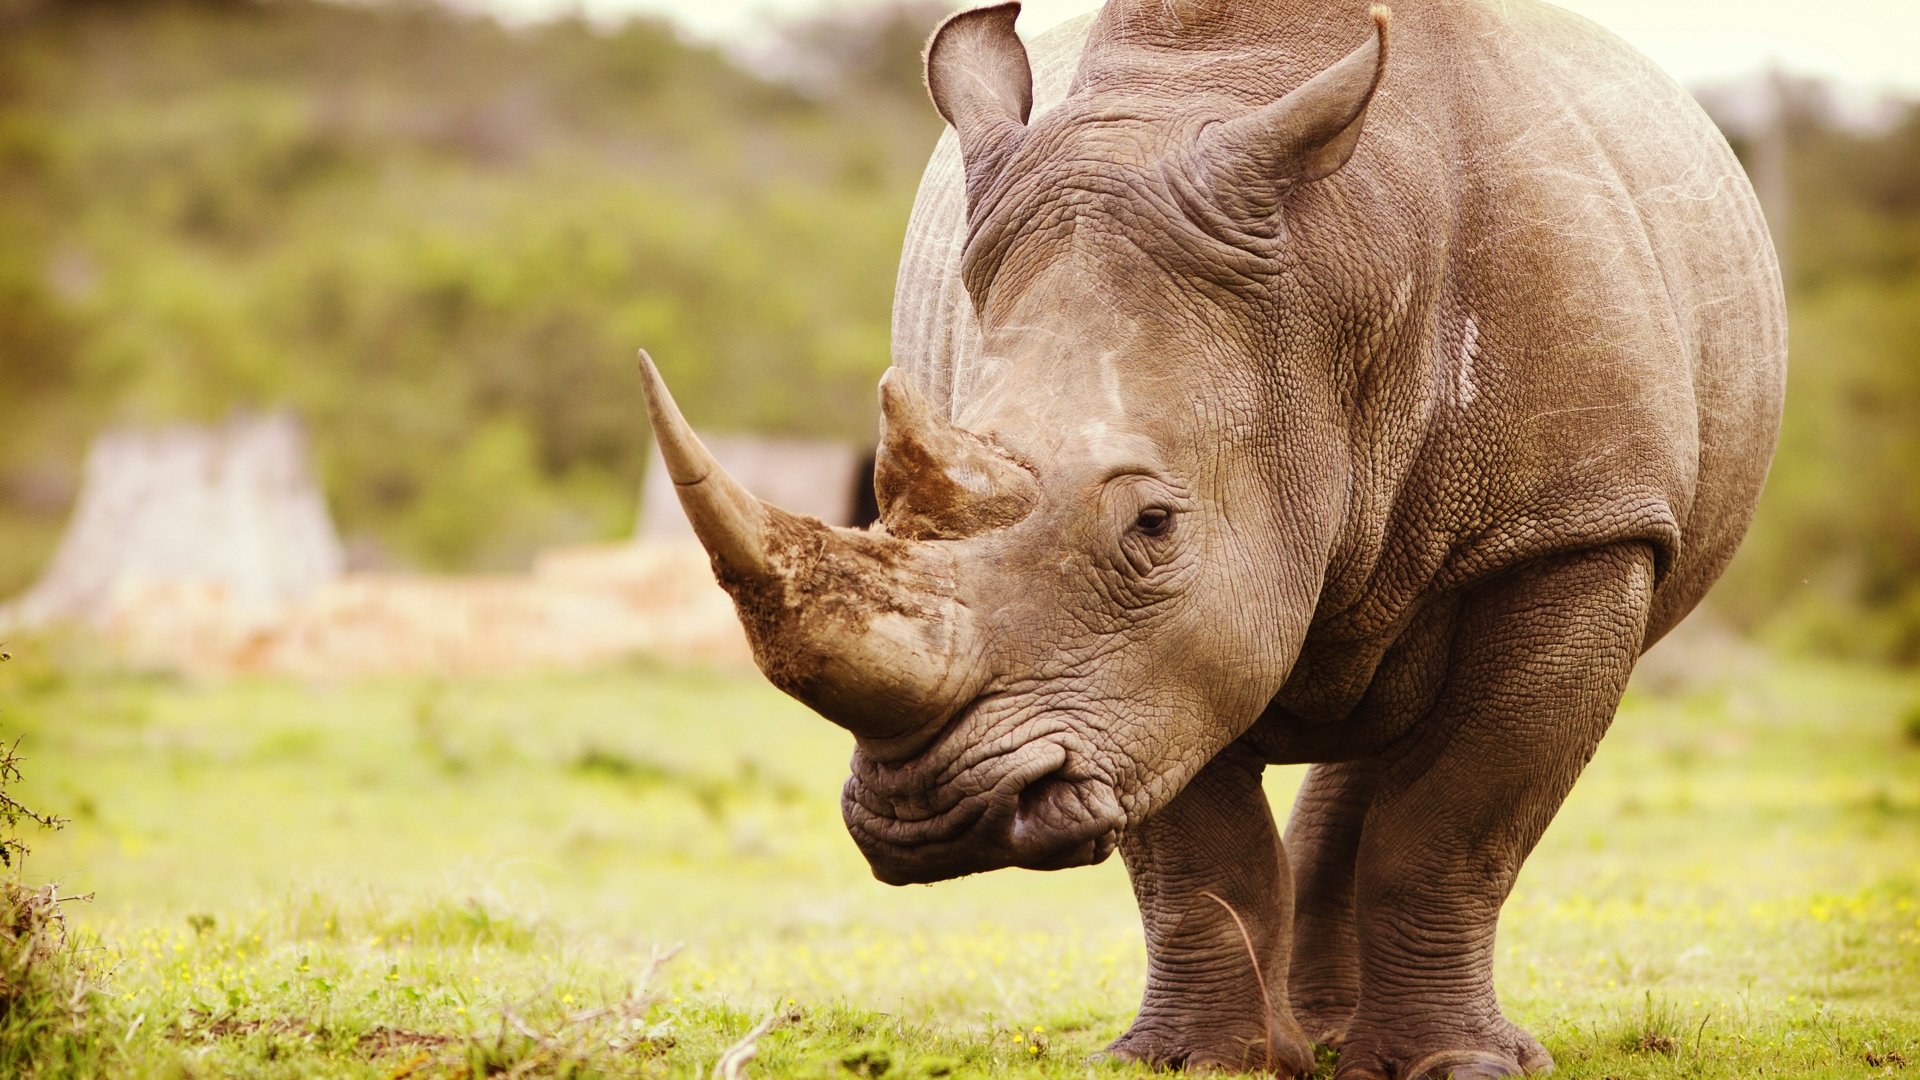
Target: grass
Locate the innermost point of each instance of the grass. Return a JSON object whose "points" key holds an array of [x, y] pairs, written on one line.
{"points": [[411, 877]]}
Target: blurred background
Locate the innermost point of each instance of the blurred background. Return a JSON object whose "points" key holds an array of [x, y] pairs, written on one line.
{"points": [[394, 259], [317, 333]]}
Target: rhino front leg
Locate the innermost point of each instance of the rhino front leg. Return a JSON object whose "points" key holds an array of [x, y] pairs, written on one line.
{"points": [[1539, 661], [1212, 882]]}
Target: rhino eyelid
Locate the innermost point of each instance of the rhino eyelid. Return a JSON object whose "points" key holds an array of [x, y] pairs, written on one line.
{"points": [[1132, 472]]}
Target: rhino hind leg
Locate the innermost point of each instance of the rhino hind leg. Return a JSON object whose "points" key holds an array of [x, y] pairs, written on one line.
{"points": [[1539, 661], [1322, 841], [1215, 898]]}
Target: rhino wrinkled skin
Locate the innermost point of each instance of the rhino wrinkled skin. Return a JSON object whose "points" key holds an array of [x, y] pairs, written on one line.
{"points": [[1279, 382]]}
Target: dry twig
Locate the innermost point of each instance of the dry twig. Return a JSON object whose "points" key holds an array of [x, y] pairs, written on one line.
{"points": [[732, 1064], [1259, 977]]}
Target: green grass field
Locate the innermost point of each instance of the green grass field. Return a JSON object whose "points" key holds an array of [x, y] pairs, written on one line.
{"points": [[457, 878]]}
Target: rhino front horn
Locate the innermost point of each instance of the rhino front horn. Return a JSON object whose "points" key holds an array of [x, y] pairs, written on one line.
{"points": [[861, 627], [730, 522]]}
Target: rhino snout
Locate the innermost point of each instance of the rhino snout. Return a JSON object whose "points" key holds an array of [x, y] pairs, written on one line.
{"points": [[1037, 808]]}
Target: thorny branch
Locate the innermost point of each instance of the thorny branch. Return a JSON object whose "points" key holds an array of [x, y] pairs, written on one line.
{"points": [[12, 811]]}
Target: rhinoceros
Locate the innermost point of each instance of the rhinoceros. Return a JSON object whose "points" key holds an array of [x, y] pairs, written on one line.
{"points": [[1264, 394]]}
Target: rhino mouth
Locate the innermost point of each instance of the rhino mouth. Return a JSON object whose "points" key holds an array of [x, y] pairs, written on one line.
{"points": [[1037, 808]]}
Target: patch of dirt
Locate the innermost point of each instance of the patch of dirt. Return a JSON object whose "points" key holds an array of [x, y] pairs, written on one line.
{"points": [[227, 1027], [376, 1042], [581, 607], [384, 1040]]}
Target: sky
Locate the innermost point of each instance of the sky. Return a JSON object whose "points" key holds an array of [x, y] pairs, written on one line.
{"points": [[1868, 46]]}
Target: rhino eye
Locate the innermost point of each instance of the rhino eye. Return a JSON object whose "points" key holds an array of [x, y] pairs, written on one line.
{"points": [[1154, 521]]}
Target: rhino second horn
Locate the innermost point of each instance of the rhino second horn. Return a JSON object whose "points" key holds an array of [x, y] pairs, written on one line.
{"points": [[861, 627], [1251, 161], [936, 481]]}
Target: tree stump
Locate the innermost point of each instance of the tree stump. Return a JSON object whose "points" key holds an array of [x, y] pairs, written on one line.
{"points": [[230, 511]]}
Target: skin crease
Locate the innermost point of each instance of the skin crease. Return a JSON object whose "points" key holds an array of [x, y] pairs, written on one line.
{"points": [[1379, 424]]}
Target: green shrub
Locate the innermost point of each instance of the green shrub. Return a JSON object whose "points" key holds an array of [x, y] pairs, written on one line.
{"points": [[48, 994]]}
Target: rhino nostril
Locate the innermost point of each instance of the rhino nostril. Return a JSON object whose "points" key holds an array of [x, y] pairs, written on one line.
{"points": [[1061, 820], [1043, 796]]}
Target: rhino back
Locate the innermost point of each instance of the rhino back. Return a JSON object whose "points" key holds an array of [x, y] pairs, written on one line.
{"points": [[1576, 330], [1609, 338]]}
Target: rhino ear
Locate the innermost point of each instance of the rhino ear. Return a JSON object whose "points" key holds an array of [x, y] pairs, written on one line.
{"points": [[1251, 161], [982, 83]]}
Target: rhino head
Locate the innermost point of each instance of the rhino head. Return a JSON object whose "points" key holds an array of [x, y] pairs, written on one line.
{"points": [[1094, 573]]}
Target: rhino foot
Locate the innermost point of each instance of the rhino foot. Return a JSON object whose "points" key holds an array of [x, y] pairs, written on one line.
{"points": [[1506, 1051], [1325, 1025], [1161, 1045]]}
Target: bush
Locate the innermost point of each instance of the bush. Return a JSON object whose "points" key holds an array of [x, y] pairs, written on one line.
{"points": [[47, 992], [39, 981]]}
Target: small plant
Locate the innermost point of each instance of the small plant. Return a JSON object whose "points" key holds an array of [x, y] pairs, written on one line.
{"points": [[1910, 724], [1656, 1042], [1659, 1030]]}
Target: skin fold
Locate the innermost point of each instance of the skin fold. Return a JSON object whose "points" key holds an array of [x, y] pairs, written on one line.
{"points": [[1279, 382]]}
